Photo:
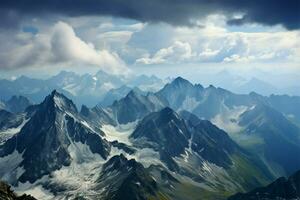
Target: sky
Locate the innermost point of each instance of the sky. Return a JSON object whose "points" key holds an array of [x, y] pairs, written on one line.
{"points": [[162, 37]]}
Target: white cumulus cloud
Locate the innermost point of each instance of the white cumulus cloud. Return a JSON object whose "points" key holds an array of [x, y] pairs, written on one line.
{"points": [[59, 46], [176, 53]]}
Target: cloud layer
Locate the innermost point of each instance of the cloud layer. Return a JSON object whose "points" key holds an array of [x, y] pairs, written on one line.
{"points": [[216, 44], [57, 46], [175, 12], [176, 53]]}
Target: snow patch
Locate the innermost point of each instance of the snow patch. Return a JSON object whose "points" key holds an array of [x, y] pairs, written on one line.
{"points": [[59, 102], [146, 157], [119, 133], [228, 118], [36, 189], [188, 150], [8, 133], [9, 167], [87, 126], [82, 173], [215, 174]]}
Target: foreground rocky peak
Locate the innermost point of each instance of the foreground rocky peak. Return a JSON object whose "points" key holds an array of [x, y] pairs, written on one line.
{"points": [[127, 179], [48, 140], [135, 106]]}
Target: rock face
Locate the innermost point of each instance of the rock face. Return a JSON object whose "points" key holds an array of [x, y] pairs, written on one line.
{"points": [[281, 141], [185, 143], [265, 126], [7, 194], [203, 102], [177, 91], [172, 136], [126, 179], [135, 106], [166, 130], [282, 188], [97, 115], [45, 140]]}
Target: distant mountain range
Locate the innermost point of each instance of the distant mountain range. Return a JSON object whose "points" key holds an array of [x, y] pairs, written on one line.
{"points": [[250, 83], [183, 141], [103, 88], [83, 89]]}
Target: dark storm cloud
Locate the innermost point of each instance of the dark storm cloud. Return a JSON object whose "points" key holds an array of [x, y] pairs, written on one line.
{"points": [[175, 12]]}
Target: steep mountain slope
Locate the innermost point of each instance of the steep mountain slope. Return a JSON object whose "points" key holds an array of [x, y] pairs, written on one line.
{"points": [[135, 106], [288, 105], [46, 141], [126, 179], [278, 140], [210, 101], [180, 93], [97, 115], [282, 188], [254, 121], [165, 132], [199, 150], [204, 102]]}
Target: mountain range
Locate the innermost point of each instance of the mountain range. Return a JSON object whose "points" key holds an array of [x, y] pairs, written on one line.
{"points": [[88, 89], [104, 88], [183, 141]]}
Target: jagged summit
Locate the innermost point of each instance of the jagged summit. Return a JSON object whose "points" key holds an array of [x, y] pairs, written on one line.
{"points": [[179, 81], [165, 129], [60, 101], [135, 106], [127, 179], [211, 87], [134, 93], [167, 110]]}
